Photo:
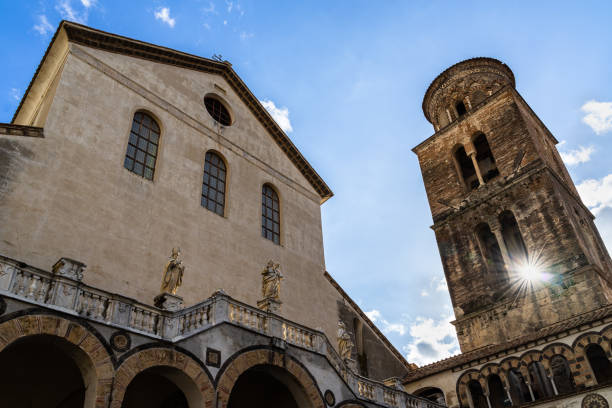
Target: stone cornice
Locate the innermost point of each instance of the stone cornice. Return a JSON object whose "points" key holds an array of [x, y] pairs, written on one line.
{"points": [[19, 130], [80, 34]]}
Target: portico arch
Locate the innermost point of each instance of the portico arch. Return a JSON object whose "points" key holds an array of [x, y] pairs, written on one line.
{"points": [[281, 367], [159, 365], [69, 342]]}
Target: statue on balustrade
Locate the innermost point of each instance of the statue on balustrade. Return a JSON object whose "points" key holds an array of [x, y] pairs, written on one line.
{"points": [[173, 273], [271, 277], [345, 342]]}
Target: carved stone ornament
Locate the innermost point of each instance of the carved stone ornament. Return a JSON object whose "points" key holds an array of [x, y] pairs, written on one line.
{"points": [[345, 342], [120, 341], [330, 398], [594, 401], [173, 273], [69, 268], [271, 277]]}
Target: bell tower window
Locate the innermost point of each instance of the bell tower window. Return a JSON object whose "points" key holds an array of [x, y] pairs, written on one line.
{"points": [[460, 106], [484, 158], [466, 169], [513, 238], [491, 252]]}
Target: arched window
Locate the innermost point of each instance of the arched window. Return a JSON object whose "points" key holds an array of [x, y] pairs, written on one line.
{"points": [[513, 238], [466, 169], [497, 394], [491, 252], [540, 385], [270, 214], [484, 158], [601, 366], [562, 375], [478, 398], [518, 387], [213, 184], [142, 146], [460, 106]]}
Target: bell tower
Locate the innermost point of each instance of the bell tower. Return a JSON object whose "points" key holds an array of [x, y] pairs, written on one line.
{"points": [[519, 249]]}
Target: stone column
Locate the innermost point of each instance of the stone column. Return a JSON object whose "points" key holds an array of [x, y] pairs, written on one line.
{"points": [[475, 162], [554, 386]]}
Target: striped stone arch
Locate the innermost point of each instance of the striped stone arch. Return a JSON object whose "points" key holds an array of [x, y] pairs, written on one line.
{"points": [[577, 370], [580, 344], [537, 356], [162, 357], [81, 337], [242, 361], [607, 333], [494, 368], [462, 385], [509, 363]]}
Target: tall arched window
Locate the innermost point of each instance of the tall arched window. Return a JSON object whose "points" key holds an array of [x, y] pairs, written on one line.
{"points": [[518, 387], [540, 385], [491, 252], [466, 169], [513, 238], [478, 398], [601, 366], [497, 393], [484, 158], [562, 375], [213, 184], [142, 146], [270, 214]]}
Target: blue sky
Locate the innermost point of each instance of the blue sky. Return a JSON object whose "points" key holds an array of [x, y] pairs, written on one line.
{"points": [[346, 79]]}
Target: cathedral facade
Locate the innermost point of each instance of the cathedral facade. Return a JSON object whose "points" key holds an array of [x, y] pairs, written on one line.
{"points": [[161, 246]]}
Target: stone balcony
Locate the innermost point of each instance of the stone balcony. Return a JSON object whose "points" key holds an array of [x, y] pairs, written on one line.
{"points": [[219, 321]]}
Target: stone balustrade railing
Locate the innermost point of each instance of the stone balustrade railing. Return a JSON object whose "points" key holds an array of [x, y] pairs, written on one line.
{"points": [[63, 290]]}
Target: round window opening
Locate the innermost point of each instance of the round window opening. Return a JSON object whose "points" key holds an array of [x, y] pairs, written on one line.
{"points": [[217, 110]]}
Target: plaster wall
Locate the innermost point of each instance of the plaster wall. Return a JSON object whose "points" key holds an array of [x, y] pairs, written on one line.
{"points": [[69, 194]]}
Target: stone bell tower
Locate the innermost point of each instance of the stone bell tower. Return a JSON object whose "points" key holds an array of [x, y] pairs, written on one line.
{"points": [[519, 249]]}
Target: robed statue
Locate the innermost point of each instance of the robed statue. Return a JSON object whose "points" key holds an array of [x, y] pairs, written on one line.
{"points": [[271, 277], [173, 273], [345, 342]]}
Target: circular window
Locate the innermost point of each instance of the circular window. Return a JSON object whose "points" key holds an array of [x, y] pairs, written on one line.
{"points": [[217, 110]]}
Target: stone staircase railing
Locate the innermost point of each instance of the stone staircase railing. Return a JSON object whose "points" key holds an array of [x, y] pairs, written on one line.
{"points": [[62, 290]]}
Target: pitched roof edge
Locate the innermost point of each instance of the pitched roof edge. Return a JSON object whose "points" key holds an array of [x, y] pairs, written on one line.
{"points": [[375, 329], [93, 38]]}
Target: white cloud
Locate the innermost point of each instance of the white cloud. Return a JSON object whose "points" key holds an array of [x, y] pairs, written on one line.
{"points": [[424, 293], [598, 116], [280, 115], [431, 340], [441, 285], [230, 6], [163, 14], [15, 94], [224, 22], [64, 7], [245, 36], [43, 26], [210, 9], [207, 26], [87, 3], [384, 325], [577, 156], [373, 315], [596, 194]]}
